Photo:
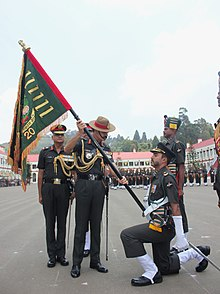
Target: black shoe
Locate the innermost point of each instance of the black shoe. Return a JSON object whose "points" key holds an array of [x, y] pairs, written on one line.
{"points": [[143, 281], [75, 271], [63, 261], [204, 249], [86, 252], [204, 263], [99, 267], [51, 262]]}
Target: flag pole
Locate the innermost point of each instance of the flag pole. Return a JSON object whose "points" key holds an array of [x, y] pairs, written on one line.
{"points": [[113, 167], [23, 45]]}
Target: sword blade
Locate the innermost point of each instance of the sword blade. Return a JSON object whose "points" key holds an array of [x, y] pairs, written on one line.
{"points": [[204, 256]]}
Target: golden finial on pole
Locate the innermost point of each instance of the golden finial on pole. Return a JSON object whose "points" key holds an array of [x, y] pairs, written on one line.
{"points": [[23, 45]]}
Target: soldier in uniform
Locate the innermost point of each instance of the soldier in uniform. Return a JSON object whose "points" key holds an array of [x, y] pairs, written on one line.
{"points": [[185, 178], [204, 175], [129, 177], [198, 176], [164, 221], [177, 165], [53, 188], [212, 175], [90, 190], [191, 176], [216, 185]]}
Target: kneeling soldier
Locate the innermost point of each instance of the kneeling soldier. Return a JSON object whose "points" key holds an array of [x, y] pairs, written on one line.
{"points": [[164, 221]]}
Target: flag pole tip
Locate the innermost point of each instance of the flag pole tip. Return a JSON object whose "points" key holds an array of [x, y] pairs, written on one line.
{"points": [[23, 45]]}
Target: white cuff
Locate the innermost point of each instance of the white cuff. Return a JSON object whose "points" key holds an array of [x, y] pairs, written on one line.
{"points": [[178, 221]]}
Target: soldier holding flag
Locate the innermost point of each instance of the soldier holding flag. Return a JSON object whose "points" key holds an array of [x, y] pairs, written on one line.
{"points": [[90, 190]]}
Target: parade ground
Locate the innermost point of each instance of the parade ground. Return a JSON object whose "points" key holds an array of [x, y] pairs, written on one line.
{"points": [[23, 257]]}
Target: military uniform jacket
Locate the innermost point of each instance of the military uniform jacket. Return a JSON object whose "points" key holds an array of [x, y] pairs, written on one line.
{"points": [[163, 184], [46, 162], [90, 151], [179, 149]]}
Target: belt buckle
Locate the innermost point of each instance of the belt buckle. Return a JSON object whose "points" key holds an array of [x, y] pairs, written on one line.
{"points": [[91, 177], [57, 181]]}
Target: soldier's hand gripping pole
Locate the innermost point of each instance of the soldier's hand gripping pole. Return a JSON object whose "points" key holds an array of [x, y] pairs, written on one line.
{"points": [[113, 167], [203, 255]]}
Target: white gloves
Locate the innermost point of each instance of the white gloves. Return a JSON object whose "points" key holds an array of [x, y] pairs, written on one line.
{"points": [[181, 242]]}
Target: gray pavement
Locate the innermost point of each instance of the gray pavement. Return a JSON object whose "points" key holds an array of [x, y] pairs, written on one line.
{"points": [[23, 255]]}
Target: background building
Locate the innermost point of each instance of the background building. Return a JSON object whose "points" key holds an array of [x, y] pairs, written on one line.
{"points": [[7, 176], [201, 154]]}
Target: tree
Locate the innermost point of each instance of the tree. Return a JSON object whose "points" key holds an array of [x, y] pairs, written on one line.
{"points": [[155, 142], [192, 157], [191, 132], [144, 138], [137, 137], [204, 129], [144, 147]]}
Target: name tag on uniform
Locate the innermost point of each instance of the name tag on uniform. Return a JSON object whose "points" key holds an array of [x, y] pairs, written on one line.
{"points": [[153, 188]]}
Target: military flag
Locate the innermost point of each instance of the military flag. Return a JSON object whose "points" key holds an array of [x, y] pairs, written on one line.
{"points": [[39, 104]]}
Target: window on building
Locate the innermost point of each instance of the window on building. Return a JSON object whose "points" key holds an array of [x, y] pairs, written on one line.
{"points": [[201, 155], [119, 163], [34, 177], [125, 163], [147, 163], [131, 163], [207, 154], [141, 163], [136, 163], [34, 166]]}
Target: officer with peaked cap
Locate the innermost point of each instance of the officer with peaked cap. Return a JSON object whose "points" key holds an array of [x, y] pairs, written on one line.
{"points": [[177, 165], [164, 221], [54, 195], [90, 190]]}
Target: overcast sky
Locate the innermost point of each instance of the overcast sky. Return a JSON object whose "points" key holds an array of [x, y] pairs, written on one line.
{"points": [[129, 60]]}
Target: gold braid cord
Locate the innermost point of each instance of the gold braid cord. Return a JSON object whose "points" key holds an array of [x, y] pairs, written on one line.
{"points": [[65, 167], [88, 165]]}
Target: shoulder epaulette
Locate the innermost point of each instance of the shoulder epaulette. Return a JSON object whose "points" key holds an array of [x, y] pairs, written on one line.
{"points": [[165, 173], [45, 148]]}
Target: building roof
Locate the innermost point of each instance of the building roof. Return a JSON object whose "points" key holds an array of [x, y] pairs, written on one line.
{"points": [[32, 157], [203, 143], [131, 155], [116, 156], [2, 152]]}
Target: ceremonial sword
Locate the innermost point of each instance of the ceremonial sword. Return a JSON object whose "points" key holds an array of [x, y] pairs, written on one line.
{"points": [[203, 255]]}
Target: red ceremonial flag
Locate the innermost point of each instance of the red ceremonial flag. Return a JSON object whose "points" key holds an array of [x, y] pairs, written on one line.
{"points": [[39, 105]]}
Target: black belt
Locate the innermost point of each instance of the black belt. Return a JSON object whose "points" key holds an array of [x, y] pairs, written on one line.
{"points": [[55, 181], [90, 177]]}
